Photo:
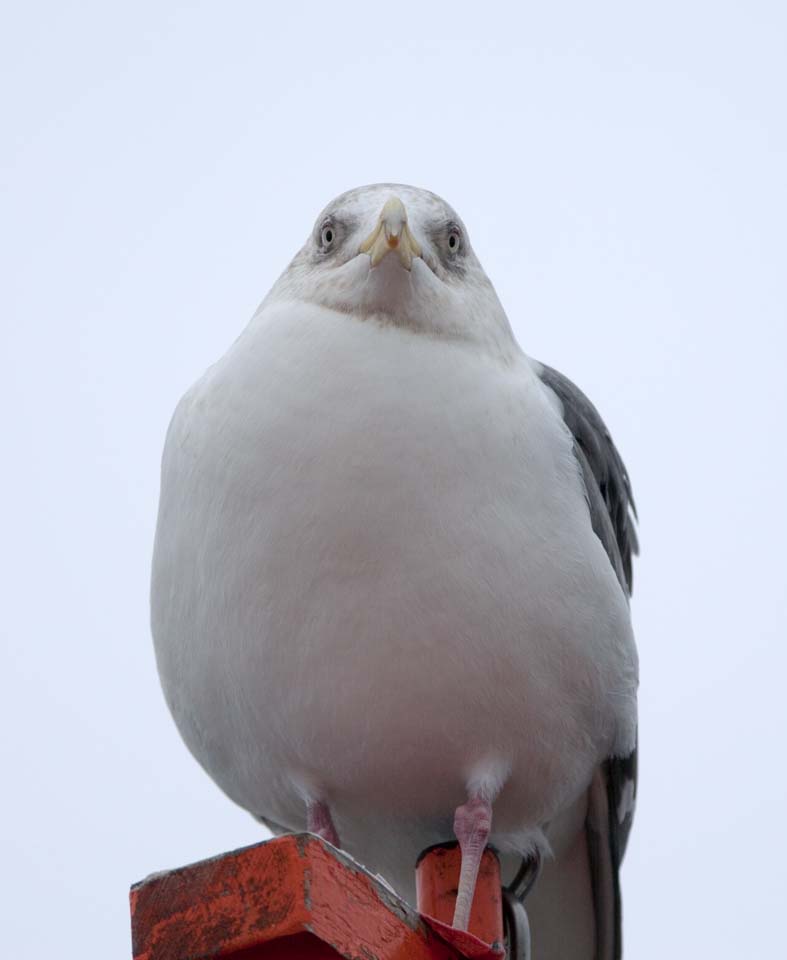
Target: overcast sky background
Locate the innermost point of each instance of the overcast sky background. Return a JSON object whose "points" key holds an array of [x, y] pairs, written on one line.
{"points": [[621, 169]]}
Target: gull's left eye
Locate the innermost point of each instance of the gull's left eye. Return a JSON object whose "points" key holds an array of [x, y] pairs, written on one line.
{"points": [[454, 239]]}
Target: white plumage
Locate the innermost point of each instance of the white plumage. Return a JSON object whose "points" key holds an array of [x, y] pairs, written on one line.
{"points": [[376, 582]]}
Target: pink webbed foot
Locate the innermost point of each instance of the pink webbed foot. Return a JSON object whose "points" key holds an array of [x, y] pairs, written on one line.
{"points": [[320, 822], [472, 823]]}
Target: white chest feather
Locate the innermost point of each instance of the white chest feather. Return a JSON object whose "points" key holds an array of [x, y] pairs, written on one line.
{"points": [[375, 574]]}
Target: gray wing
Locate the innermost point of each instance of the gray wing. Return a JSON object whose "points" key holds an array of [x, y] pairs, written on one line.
{"points": [[607, 487], [612, 515]]}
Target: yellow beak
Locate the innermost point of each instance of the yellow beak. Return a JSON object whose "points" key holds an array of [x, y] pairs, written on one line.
{"points": [[392, 233]]}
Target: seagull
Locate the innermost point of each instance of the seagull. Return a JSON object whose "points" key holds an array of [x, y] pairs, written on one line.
{"points": [[391, 574]]}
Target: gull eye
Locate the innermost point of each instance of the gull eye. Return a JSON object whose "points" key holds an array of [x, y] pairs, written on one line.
{"points": [[327, 235], [454, 240]]}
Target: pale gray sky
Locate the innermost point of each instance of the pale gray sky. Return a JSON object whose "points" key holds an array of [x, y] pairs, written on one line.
{"points": [[621, 169]]}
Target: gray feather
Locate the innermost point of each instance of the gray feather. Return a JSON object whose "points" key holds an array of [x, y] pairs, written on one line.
{"points": [[607, 487], [612, 515]]}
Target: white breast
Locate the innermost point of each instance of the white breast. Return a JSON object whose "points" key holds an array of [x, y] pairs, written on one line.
{"points": [[375, 573]]}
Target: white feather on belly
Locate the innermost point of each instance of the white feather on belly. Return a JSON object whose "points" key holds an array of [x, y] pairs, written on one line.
{"points": [[393, 586]]}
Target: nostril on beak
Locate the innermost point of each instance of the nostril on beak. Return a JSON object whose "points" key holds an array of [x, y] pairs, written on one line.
{"points": [[391, 233]]}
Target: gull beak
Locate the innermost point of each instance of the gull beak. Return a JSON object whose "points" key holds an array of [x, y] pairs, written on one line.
{"points": [[392, 233]]}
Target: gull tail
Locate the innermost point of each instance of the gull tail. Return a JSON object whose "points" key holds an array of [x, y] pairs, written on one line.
{"points": [[574, 909]]}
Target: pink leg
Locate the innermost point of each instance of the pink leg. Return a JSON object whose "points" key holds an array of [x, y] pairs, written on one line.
{"points": [[472, 823], [319, 821]]}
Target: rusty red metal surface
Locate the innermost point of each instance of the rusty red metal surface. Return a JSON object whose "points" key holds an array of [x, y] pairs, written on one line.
{"points": [[436, 878], [295, 896]]}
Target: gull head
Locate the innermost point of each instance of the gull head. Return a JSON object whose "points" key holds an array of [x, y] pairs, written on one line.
{"points": [[397, 255]]}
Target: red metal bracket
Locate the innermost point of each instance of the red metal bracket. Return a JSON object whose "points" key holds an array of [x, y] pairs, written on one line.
{"points": [[298, 896]]}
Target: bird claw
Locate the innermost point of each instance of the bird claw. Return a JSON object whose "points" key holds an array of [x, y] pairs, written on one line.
{"points": [[320, 822]]}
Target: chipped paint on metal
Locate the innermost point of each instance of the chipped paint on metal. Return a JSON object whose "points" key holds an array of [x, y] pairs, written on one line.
{"points": [[286, 892]]}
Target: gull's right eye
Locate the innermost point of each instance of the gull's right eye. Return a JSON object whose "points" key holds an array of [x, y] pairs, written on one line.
{"points": [[327, 235]]}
